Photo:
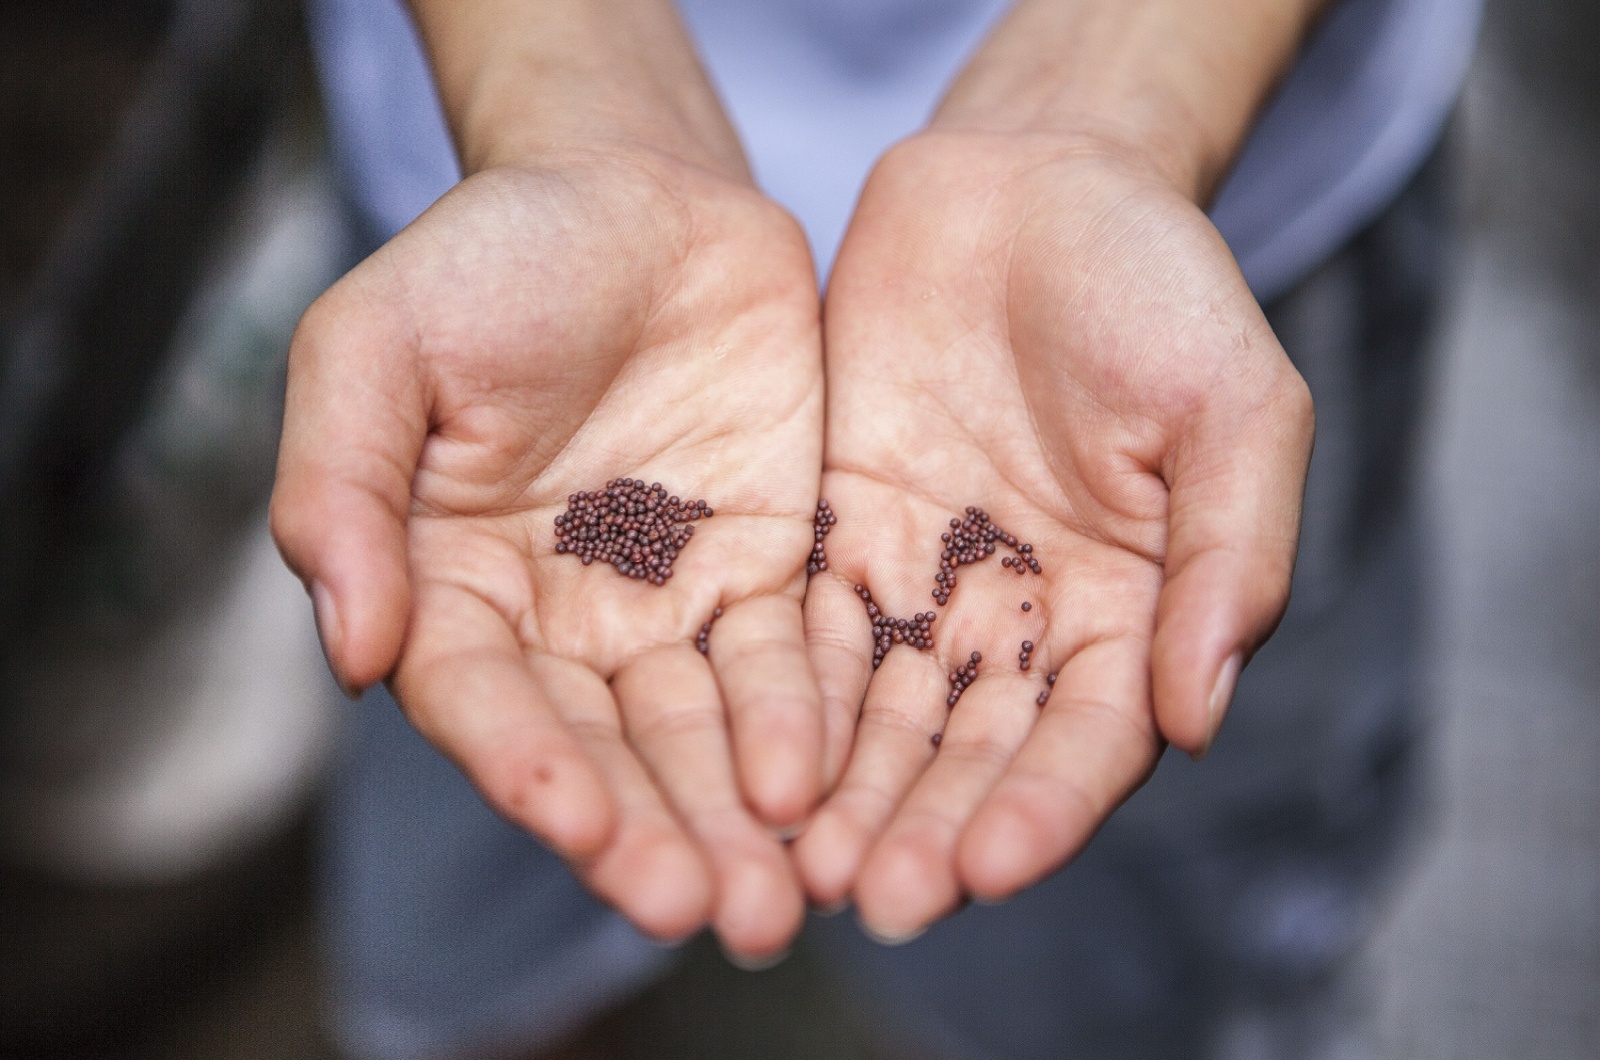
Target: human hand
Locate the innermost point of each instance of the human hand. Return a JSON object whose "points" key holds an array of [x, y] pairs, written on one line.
{"points": [[1047, 329], [607, 313]]}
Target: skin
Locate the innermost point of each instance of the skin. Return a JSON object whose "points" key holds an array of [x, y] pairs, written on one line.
{"points": [[1030, 312]]}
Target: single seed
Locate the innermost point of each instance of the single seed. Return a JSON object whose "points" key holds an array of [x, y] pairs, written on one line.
{"points": [[936, 739], [1027, 606]]}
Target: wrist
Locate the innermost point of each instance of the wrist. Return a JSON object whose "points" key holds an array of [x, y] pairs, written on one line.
{"points": [[1167, 86], [521, 83]]}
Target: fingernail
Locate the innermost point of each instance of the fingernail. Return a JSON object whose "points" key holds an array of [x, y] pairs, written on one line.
{"points": [[330, 633], [1221, 696], [890, 938], [754, 964]]}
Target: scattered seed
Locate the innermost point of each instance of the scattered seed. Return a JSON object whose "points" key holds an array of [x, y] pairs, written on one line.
{"points": [[1026, 606], [962, 678], [936, 739], [702, 640], [916, 631], [637, 528], [821, 524], [971, 540]]}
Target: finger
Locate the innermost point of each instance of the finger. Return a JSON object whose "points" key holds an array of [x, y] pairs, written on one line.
{"points": [[673, 718], [1236, 492], [1092, 746], [908, 879], [839, 644], [354, 424], [904, 708], [758, 653], [465, 686], [651, 870]]}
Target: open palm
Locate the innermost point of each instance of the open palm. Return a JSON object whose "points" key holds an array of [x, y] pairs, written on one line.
{"points": [[1045, 333], [536, 334]]}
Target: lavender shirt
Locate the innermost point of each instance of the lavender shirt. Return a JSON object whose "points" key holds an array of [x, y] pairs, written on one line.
{"points": [[818, 89]]}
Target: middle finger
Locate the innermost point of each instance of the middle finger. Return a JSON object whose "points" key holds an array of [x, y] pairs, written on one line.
{"points": [[672, 712]]}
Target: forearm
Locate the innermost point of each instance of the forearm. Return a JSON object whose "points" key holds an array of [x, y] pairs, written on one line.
{"points": [[1173, 83], [524, 79]]}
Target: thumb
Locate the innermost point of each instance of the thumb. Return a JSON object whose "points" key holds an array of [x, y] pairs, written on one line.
{"points": [[1236, 484], [354, 422]]}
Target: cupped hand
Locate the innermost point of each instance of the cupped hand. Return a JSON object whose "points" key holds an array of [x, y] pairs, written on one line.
{"points": [[1045, 330], [539, 332]]}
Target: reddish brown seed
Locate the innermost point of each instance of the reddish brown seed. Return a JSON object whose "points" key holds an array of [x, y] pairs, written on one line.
{"points": [[888, 631], [936, 739], [962, 677], [637, 529], [972, 540], [1044, 697], [1027, 606], [822, 524], [702, 640]]}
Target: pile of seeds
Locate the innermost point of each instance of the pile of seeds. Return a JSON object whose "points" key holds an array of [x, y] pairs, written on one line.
{"points": [[637, 528], [887, 632], [702, 640], [973, 539], [821, 524], [961, 678], [1044, 697], [1025, 657]]}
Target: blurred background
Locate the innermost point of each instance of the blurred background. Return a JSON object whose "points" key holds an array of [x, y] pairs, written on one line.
{"points": [[165, 718]]}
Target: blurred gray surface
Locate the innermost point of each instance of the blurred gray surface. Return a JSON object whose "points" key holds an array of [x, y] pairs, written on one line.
{"points": [[1493, 947]]}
